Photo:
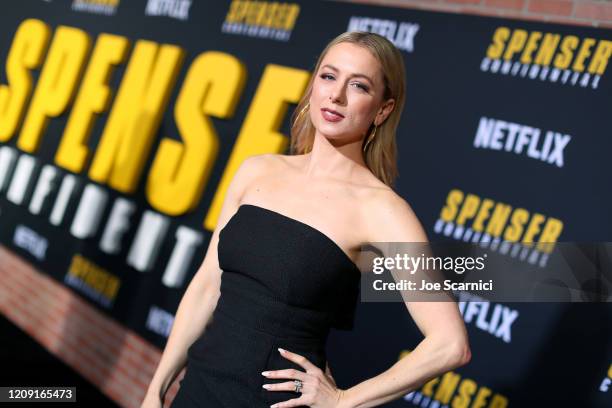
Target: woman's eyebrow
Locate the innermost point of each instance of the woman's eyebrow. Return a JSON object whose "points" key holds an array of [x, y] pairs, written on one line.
{"points": [[352, 75]]}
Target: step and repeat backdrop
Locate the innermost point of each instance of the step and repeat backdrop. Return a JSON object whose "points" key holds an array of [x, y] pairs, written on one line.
{"points": [[123, 122]]}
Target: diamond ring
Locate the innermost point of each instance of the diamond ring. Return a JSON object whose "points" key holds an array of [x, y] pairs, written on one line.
{"points": [[298, 385]]}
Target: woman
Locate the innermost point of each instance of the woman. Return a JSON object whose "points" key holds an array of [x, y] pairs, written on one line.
{"points": [[280, 272]]}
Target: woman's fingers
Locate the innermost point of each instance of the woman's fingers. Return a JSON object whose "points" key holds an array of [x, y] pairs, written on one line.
{"points": [[298, 359], [295, 402], [313, 379], [287, 373], [285, 386]]}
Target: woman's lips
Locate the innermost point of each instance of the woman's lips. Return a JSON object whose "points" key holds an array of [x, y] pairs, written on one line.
{"points": [[331, 116]]}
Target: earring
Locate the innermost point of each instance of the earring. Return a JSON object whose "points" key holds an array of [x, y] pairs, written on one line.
{"points": [[304, 109], [370, 138]]}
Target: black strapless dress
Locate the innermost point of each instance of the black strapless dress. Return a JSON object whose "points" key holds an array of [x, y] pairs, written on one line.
{"points": [[284, 284]]}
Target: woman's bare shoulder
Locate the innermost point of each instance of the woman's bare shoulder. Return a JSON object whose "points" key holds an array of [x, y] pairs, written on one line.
{"points": [[392, 217], [263, 161], [258, 165]]}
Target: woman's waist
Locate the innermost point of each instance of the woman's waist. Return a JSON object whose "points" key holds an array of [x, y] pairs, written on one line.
{"points": [[272, 317], [231, 350]]}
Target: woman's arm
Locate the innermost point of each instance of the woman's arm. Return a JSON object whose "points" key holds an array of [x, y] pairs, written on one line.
{"points": [[200, 298], [445, 346], [438, 353]]}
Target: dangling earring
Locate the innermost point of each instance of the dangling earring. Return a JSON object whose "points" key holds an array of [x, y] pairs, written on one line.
{"points": [[370, 138], [304, 109]]}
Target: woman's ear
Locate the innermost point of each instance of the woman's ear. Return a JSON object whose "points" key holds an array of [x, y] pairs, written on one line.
{"points": [[384, 111]]}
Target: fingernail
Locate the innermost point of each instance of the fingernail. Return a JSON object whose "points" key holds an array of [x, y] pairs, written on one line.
{"points": [[266, 386], [281, 350], [264, 373]]}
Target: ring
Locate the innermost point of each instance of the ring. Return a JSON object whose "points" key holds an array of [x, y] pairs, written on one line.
{"points": [[298, 385]]}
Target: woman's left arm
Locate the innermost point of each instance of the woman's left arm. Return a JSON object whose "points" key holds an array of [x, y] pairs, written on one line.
{"points": [[445, 345], [444, 348]]}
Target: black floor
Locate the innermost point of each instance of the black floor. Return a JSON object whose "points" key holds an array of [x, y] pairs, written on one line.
{"points": [[26, 363]]}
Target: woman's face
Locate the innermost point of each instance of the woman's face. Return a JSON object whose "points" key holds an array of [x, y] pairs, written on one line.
{"points": [[347, 93]]}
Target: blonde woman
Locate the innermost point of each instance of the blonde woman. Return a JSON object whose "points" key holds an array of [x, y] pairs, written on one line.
{"points": [[280, 268]]}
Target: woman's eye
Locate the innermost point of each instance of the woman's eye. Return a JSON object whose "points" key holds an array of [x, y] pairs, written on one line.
{"points": [[361, 86]]}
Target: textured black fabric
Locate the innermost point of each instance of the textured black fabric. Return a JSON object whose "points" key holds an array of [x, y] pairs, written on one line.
{"points": [[284, 284]]}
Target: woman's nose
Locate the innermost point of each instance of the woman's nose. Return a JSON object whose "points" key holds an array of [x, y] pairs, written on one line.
{"points": [[337, 94]]}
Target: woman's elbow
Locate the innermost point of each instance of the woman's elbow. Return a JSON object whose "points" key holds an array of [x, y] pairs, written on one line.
{"points": [[461, 354]]}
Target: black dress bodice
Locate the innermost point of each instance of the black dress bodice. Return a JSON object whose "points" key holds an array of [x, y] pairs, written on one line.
{"points": [[284, 284]]}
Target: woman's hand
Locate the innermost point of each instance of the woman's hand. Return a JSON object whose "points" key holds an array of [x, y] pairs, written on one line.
{"points": [[318, 389]]}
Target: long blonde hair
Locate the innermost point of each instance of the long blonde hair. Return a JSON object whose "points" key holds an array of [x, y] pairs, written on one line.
{"points": [[381, 153]]}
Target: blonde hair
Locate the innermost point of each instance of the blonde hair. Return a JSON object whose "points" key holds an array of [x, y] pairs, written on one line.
{"points": [[381, 153]]}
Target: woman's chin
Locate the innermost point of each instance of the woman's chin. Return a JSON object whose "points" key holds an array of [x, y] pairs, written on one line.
{"points": [[333, 133], [336, 138]]}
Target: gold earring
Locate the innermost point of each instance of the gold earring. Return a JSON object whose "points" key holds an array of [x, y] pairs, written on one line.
{"points": [[304, 109], [370, 138]]}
